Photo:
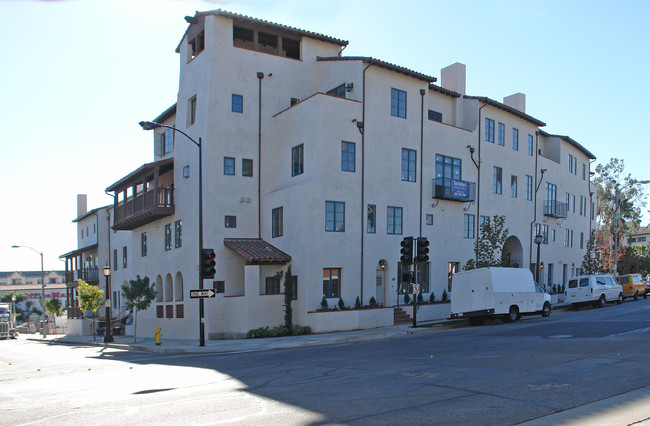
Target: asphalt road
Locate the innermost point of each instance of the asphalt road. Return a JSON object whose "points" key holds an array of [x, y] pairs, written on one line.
{"points": [[496, 374]]}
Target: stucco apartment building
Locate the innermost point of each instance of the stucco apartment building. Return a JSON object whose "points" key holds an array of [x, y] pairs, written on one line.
{"points": [[326, 162]]}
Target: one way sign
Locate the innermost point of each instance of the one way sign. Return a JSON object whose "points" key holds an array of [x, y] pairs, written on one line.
{"points": [[202, 293]]}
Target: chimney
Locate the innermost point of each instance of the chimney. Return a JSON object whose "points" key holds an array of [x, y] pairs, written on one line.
{"points": [[516, 101], [82, 204], [453, 77]]}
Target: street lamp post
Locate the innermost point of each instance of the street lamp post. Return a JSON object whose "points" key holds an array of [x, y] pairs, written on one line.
{"points": [[616, 217], [150, 125], [538, 240], [42, 286], [108, 336]]}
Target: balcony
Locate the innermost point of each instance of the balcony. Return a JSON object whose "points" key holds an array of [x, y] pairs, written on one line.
{"points": [[553, 208], [89, 275], [454, 190], [144, 208], [144, 196]]}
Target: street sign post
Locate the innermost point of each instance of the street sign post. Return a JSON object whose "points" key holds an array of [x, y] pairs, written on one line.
{"points": [[205, 293]]}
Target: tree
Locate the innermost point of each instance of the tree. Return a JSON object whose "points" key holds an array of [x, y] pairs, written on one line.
{"points": [[54, 308], [20, 297], [591, 262], [489, 246], [288, 297], [614, 221], [90, 299], [139, 295]]}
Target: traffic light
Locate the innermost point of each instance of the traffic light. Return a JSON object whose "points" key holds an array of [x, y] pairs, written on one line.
{"points": [[207, 263], [422, 250], [407, 250]]}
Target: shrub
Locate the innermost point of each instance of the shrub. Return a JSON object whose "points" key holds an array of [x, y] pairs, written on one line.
{"points": [[432, 298], [372, 301], [341, 304], [407, 299], [444, 295], [554, 289], [420, 298], [357, 304], [277, 331], [323, 303]]}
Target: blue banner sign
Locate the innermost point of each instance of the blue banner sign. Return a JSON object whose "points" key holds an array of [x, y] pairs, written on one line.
{"points": [[459, 188]]}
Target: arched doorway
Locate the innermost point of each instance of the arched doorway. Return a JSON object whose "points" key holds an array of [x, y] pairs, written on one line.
{"points": [[513, 253], [382, 273]]}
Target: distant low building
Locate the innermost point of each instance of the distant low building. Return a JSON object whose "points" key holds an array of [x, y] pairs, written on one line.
{"points": [[29, 282]]}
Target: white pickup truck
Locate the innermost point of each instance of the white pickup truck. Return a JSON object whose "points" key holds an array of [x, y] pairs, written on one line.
{"points": [[483, 293], [7, 321]]}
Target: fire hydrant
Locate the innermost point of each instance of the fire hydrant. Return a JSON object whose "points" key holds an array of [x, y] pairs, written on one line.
{"points": [[157, 332]]}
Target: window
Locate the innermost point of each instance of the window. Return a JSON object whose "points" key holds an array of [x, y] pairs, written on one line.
{"points": [[178, 233], [237, 103], [394, 220], [186, 171], [143, 244], [550, 198], [331, 282], [334, 216], [372, 219], [422, 276], [272, 285], [429, 219], [489, 130], [228, 166], [515, 139], [435, 116], [124, 262], [447, 168], [165, 142], [567, 235], [266, 42], [168, 237], [468, 226], [573, 203], [543, 231], [570, 163], [277, 222], [530, 145], [513, 186], [246, 167], [219, 286], [497, 179], [397, 103], [529, 188], [347, 156], [501, 140], [408, 165], [196, 44], [584, 171], [483, 221], [230, 221], [115, 260], [338, 91], [191, 111], [582, 240], [297, 154]]}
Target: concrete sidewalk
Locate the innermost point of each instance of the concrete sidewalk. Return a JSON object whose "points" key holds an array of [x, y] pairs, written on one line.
{"points": [[169, 346]]}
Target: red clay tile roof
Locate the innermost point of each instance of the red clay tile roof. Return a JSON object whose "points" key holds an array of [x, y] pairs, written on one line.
{"points": [[257, 251]]}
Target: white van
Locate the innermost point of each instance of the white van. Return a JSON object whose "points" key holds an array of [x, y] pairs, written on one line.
{"points": [[482, 293], [593, 289]]}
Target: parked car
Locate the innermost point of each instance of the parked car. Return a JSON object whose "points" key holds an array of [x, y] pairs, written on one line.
{"points": [[633, 286], [497, 292], [593, 289]]}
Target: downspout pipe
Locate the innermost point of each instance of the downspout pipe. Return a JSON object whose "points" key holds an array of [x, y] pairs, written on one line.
{"points": [[422, 93], [363, 172], [260, 76], [478, 185]]}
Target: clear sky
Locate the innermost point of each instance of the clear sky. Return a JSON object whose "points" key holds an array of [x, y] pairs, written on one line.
{"points": [[76, 76]]}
